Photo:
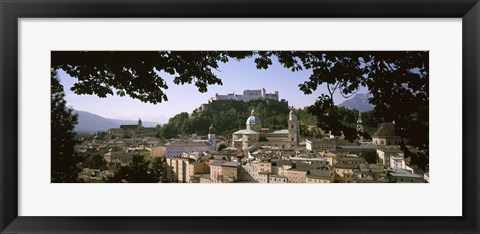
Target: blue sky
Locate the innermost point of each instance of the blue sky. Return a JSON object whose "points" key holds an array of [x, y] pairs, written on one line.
{"points": [[236, 77]]}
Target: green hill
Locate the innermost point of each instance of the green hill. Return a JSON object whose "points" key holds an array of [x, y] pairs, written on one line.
{"points": [[228, 116]]}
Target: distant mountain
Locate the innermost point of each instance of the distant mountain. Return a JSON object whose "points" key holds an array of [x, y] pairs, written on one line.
{"points": [[89, 122], [359, 101]]}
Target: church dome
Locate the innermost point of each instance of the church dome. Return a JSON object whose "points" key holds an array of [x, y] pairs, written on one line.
{"points": [[253, 119]]}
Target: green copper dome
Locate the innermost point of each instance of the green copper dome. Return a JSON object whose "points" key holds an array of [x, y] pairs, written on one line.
{"points": [[253, 119]]}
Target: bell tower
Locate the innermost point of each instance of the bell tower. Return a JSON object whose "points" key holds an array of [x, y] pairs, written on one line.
{"points": [[212, 141], [360, 125], [293, 129]]}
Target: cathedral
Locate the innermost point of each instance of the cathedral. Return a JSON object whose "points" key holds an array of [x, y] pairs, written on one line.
{"points": [[255, 135]]}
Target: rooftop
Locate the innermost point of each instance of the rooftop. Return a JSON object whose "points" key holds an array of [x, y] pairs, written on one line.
{"points": [[231, 164], [317, 172], [403, 173], [284, 162], [246, 131], [319, 159], [324, 177], [283, 131], [186, 144], [216, 163], [385, 130], [346, 165]]}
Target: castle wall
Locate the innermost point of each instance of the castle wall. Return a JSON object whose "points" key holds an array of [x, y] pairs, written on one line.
{"points": [[248, 95]]}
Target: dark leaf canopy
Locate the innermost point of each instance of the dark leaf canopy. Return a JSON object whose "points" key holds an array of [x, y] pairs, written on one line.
{"points": [[137, 74]]}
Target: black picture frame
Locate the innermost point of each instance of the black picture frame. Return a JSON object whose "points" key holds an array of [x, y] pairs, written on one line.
{"points": [[11, 11]]}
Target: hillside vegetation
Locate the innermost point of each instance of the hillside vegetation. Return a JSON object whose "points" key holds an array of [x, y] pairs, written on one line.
{"points": [[229, 116]]}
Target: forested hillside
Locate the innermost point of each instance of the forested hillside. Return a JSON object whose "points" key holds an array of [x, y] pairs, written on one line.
{"points": [[229, 116]]}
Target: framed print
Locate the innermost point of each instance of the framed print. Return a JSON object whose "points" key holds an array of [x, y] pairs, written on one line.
{"points": [[225, 116]]}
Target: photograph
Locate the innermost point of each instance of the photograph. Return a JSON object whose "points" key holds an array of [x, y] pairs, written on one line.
{"points": [[240, 117]]}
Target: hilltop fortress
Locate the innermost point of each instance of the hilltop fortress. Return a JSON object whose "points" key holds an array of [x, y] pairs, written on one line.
{"points": [[248, 95], [225, 102]]}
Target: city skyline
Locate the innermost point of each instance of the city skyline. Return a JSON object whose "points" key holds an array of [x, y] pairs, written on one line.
{"points": [[236, 77]]}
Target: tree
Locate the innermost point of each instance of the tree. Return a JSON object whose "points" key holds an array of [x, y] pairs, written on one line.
{"points": [[96, 161], [398, 82], [396, 79], [137, 171], [136, 73], [221, 147], [158, 168], [370, 156], [65, 164]]}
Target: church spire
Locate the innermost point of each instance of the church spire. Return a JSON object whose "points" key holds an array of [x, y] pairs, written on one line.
{"points": [[211, 129], [360, 122]]}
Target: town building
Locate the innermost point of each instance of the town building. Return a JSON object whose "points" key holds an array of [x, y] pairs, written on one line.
{"points": [[216, 171], [264, 167], [370, 173], [281, 166], [350, 159], [396, 175], [179, 147], [385, 135], [385, 152], [320, 144], [255, 135], [320, 176], [177, 169], [184, 170], [131, 131], [315, 161], [398, 161], [249, 172], [154, 151], [296, 175], [344, 172], [277, 179], [230, 172], [329, 156], [205, 179], [263, 177], [327, 144]]}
